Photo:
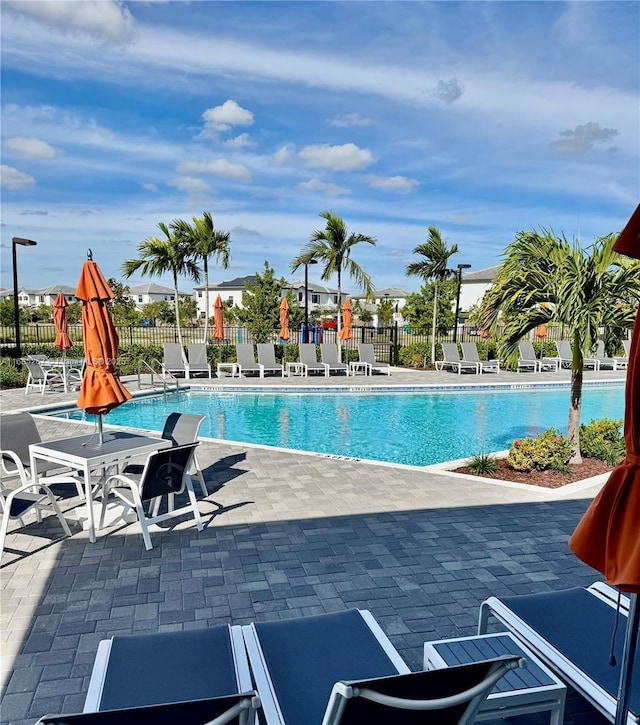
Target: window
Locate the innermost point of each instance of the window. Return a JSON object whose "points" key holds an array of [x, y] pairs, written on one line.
{"points": [[335, 299], [139, 298], [200, 295], [315, 299], [300, 296], [230, 300]]}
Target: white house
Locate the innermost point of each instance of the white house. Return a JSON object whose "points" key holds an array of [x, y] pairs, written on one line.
{"points": [[394, 294], [144, 294], [474, 285]]}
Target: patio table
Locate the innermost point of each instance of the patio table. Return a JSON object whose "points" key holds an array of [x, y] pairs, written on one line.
{"points": [[64, 365], [86, 454]]}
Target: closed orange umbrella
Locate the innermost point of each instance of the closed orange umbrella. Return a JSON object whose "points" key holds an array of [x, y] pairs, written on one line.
{"points": [[284, 319], [541, 331], [101, 389], [607, 537], [62, 341], [218, 319], [347, 316]]}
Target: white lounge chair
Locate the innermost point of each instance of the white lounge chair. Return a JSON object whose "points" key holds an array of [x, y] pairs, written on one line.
{"points": [[198, 362], [329, 356], [42, 379], [366, 354], [174, 360], [451, 359], [529, 361], [267, 358], [571, 631], [245, 360], [565, 355], [309, 359], [470, 354]]}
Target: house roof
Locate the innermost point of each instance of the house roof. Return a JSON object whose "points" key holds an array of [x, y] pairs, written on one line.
{"points": [[482, 275], [313, 287], [393, 292], [151, 288], [55, 288]]}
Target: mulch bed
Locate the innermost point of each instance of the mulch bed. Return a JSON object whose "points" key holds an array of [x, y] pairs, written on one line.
{"points": [[547, 479]]}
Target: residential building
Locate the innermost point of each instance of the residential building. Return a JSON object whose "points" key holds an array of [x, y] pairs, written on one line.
{"points": [[394, 294], [474, 285], [144, 294]]}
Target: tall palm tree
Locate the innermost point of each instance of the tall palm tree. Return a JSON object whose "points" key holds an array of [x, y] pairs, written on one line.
{"points": [[433, 267], [332, 247], [158, 257], [544, 279], [205, 242]]}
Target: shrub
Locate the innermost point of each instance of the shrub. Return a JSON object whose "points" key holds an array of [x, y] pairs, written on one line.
{"points": [[603, 439], [12, 376], [549, 450], [482, 464], [416, 355]]}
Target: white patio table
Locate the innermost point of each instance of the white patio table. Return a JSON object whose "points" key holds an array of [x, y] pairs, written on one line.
{"points": [[88, 455], [64, 365]]}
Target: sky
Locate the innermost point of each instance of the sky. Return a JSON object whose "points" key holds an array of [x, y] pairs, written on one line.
{"points": [[480, 118]]}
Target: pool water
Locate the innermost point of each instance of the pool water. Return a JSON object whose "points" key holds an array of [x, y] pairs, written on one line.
{"points": [[409, 428]]}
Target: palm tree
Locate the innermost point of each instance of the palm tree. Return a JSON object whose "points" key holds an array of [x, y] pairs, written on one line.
{"points": [[332, 247], [433, 267], [545, 279], [161, 256], [205, 242]]}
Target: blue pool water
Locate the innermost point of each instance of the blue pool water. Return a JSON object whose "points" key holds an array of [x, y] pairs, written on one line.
{"points": [[411, 428]]}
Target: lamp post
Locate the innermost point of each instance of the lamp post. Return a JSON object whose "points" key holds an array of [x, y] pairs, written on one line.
{"points": [[16, 310], [305, 331], [455, 324]]}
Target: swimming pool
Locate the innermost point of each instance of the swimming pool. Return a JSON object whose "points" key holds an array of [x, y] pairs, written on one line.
{"points": [[410, 428]]}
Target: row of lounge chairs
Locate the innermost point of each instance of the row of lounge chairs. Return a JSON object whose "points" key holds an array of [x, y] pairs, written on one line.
{"points": [[340, 668], [266, 363]]}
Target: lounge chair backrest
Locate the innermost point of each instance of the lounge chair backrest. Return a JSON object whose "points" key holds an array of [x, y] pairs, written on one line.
{"points": [[450, 351], [182, 428], [244, 354], [173, 356], [165, 471], [17, 432], [266, 354], [36, 371], [366, 353], [198, 355], [564, 349], [600, 351], [308, 353], [627, 347], [329, 353], [527, 351], [470, 351]]}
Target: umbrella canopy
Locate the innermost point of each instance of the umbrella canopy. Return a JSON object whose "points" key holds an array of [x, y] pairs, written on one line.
{"points": [[284, 319], [101, 390], [218, 319], [606, 537], [541, 331], [62, 341], [347, 316]]}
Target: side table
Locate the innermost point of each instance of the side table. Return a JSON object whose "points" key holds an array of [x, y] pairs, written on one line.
{"points": [[534, 689], [296, 368], [358, 366], [230, 366]]}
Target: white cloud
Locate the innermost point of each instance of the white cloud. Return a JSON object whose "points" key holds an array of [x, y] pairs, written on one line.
{"points": [[189, 184], [350, 119], [243, 231], [282, 156], [316, 186], [150, 187], [101, 19], [13, 179], [217, 167], [30, 148], [224, 117], [401, 184], [347, 157], [448, 91], [243, 141], [582, 138]]}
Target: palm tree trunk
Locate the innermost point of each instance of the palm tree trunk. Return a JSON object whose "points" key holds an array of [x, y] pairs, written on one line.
{"points": [[206, 299], [434, 325], [577, 363], [177, 306]]}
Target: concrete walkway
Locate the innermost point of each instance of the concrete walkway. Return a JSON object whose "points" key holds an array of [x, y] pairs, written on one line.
{"points": [[286, 534]]}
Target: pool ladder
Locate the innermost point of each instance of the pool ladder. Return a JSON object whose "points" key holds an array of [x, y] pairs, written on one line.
{"points": [[162, 378]]}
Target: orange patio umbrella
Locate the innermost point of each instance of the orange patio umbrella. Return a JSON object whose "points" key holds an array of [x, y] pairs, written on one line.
{"points": [[541, 331], [347, 316], [218, 319], [607, 537], [101, 389], [284, 319], [62, 341]]}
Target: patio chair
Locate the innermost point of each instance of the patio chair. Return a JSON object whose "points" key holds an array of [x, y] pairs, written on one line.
{"points": [[165, 474], [341, 668], [451, 359], [245, 360], [529, 361], [366, 354], [329, 356], [308, 357], [198, 359], [151, 669], [180, 429], [267, 358], [470, 354], [231, 710], [14, 504], [571, 631], [626, 344], [565, 356], [173, 360], [40, 378], [604, 360]]}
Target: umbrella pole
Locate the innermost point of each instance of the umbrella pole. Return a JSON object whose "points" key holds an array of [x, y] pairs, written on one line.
{"points": [[100, 441], [628, 658]]}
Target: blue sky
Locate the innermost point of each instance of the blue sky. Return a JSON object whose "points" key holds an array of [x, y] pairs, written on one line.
{"points": [[481, 118]]}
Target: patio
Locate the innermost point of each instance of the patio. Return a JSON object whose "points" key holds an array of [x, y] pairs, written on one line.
{"points": [[286, 534]]}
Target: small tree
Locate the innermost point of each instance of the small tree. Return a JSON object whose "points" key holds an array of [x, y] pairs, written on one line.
{"points": [[122, 307], [261, 305], [74, 313], [385, 311], [159, 310], [418, 308]]}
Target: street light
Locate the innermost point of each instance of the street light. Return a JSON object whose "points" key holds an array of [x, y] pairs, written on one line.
{"points": [[305, 331], [455, 324], [16, 310]]}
